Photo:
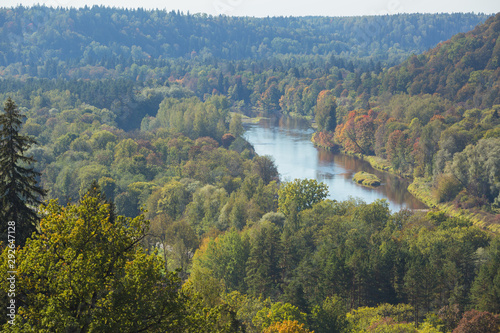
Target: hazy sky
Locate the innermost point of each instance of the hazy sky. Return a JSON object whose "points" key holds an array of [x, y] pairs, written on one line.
{"points": [[286, 7]]}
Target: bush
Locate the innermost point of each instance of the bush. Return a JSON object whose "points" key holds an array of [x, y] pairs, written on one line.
{"points": [[478, 322], [447, 188], [467, 201]]}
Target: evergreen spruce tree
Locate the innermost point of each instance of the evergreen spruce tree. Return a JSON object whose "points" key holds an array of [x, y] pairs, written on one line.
{"points": [[19, 192]]}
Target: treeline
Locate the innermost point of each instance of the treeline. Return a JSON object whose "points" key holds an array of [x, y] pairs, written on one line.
{"points": [[49, 42]]}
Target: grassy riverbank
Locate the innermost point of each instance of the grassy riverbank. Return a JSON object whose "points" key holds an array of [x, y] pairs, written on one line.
{"points": [[380, 164], [422, 190], [248, 120]]}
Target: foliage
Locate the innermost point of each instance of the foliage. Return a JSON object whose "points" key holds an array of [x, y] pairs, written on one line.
{"points": [[287, 326], [325, 112], [485, 291], [202, 318], [357, 133], [366, 178], [224, 259], [263, 271], [329, 316], [476, 321], [19, 191], [255, 254], [86, 272], [477, 169], [300, 194], [270, 319], [380, 318], [467, 61], [200, 37], [447, 188], [194, 118]]}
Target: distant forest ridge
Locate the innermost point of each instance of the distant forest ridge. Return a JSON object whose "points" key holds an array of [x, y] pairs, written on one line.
{"points": [[110, 37]]}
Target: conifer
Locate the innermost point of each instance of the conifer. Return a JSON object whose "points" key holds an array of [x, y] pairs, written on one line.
{"points": [[19, 191]]}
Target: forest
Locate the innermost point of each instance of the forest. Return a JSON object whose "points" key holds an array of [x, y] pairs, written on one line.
{"points": [[139, 206]]}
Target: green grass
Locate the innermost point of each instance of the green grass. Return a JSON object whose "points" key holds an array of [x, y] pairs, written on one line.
{"points": [[380, 164], [366, 179], [247, 119], [423, 192]]}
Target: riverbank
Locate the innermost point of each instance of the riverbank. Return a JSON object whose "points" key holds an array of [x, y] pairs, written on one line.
{"points": [[418, 187], [288, 141], [248, 120], [324, 140], [421, 190]]}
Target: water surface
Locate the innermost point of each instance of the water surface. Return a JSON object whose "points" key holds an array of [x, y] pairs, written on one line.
{"points": [[288, 141]]}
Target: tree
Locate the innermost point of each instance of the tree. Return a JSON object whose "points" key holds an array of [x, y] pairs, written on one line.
{"points": [[263, 274], [236, 126], [486, 287], [325, 113], [287, 326], [475, 321], [357, 134], [276, 315], [173, 199], [266, 169], [477, 167], [270, 98], [223, 258], [19, 192], [85, 272], [300, 194], [330, 316]]}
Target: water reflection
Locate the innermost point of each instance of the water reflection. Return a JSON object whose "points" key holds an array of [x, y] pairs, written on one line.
{"points": [[288, 141]]}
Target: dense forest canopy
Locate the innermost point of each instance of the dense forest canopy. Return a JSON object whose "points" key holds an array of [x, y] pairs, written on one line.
{"points": [[165, 219], [109, 37]]}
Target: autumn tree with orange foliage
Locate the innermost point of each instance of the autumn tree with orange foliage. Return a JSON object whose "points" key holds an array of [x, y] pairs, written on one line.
{"points": [[357, 133]]}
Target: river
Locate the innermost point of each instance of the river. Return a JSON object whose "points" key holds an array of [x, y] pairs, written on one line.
{"points": [[288, 141]]}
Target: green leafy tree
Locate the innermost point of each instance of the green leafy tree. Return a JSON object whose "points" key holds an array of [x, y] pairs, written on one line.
{"points": [[300, 194], [330, 316], [85, 272], [265, 167], [235, 125], [19, 192], [263, 273], [224, 258], [476, 167], [325, 114], [486, 287], [278, 312]]}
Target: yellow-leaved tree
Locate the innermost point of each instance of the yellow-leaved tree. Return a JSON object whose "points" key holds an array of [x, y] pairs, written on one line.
{"points": [[287, 326]]}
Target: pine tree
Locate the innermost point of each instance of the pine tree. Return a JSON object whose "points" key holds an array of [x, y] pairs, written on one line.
{"points": [[19, 192]]}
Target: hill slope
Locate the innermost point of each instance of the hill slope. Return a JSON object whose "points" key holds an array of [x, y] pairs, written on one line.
{"points": [[462, 69]]}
